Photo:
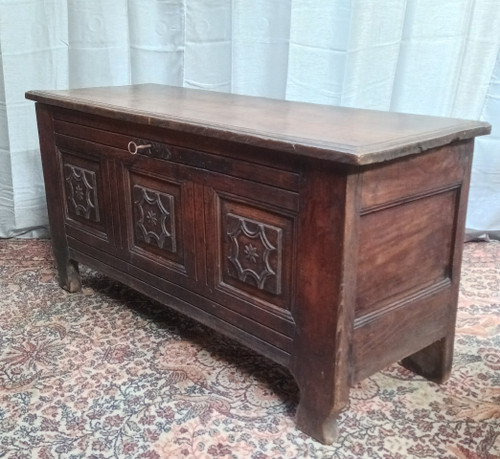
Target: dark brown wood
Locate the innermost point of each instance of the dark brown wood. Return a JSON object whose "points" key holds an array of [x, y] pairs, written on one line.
{"points": [[326, 286], [327, 239], [69, 277], [343, 134], [435, 361]]}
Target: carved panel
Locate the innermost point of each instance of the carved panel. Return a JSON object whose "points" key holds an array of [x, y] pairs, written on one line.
{"points": [[254, 253], [154, 218], [81, 192]]}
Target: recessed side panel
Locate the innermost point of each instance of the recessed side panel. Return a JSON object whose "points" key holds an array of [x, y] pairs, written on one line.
{"points": [[405, 298], [405, 249]]}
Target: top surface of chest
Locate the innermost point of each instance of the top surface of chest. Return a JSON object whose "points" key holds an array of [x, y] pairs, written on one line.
{"points": [[338, 134]]}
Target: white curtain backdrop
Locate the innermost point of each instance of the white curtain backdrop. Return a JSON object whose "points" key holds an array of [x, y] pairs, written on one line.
{"points": [[419, 56]]}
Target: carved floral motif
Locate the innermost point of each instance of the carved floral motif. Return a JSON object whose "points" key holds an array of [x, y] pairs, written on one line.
{"points": [[81, 196], [255, 253], [251, 253], [154, 218]]}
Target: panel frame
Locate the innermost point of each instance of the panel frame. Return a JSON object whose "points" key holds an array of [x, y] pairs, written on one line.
{"points": [[272, 310], [175, 181]]}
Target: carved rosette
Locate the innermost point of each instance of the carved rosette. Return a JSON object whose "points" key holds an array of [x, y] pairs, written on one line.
{"points": [[255, 253], [81, 192], [154, 218]]}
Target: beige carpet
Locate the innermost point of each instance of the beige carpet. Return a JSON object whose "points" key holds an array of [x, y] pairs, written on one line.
{"points": [[106, 373]]}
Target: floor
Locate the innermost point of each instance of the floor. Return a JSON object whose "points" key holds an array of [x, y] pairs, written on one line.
{"points": [[107, 373]]}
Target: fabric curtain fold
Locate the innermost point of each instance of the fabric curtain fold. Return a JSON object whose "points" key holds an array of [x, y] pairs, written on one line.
{"points": [[437, 58]]}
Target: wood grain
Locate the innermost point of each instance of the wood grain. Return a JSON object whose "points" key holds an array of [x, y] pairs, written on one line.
{"points": [[339, 134]]}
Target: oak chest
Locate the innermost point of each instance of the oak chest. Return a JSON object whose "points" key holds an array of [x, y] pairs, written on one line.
{"points": [[327, 239]]}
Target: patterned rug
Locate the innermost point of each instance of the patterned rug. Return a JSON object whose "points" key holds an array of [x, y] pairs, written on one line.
{"points": [[107, 373]]}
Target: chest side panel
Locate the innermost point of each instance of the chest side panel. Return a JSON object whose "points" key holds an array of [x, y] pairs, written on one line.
{"points": [[409, 254]]}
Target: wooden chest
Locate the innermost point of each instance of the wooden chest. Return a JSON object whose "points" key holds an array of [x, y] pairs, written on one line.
{"points": [[327, 239]]}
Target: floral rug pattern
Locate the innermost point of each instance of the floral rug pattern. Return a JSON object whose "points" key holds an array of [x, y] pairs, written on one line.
{"points": [[107, 373]]}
